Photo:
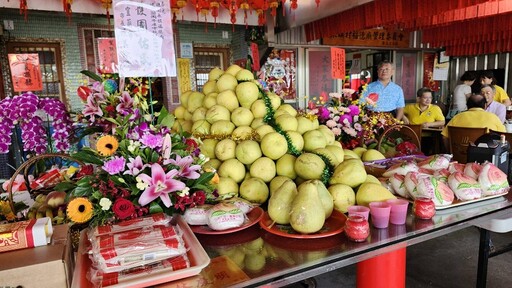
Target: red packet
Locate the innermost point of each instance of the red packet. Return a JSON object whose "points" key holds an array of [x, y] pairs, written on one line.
{"points": [[25, 234], [48, 179]]}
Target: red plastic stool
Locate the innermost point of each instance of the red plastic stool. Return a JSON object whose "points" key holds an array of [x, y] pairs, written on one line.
{"points": [[383, 271]]}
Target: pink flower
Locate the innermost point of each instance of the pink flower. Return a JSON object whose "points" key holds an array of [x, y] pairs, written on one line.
{"points": [[125, 104], [160, 185], [135, 166], [115, 165], [354, 110], [152, 141], [336, 131], [186, 170], [330, 123]]}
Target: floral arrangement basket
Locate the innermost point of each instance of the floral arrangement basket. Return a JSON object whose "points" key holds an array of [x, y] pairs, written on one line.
{"points": [[399, 140], [44, 184]]}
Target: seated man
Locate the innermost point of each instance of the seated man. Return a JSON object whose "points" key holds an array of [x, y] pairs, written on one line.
{"points": [[475, 117], [488, 91], [423, 112]]}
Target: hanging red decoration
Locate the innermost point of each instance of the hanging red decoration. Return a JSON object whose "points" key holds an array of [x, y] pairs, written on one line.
{"points": [[273, 6], [106, 4], [176, 8], [24, 8], [66, 6], [214, 6]]}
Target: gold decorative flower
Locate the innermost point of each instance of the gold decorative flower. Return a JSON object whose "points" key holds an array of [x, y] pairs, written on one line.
{"points": [[107, 145], [79, 210]]}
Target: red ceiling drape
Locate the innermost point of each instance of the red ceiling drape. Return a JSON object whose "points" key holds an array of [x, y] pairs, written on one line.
{"points": [[463, 27]]}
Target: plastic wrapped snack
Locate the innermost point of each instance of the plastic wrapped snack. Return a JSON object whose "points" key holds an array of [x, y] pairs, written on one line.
{"points": [[145, 234], [152, 220], [473, 170], [429, 187], [435, 162], [397, 182], [126, 256], [101, 279], [241, 203], [464, 187], [401, 168], [456, 167], [442, 175], [493, 180], [224, 216], [197, 215]]}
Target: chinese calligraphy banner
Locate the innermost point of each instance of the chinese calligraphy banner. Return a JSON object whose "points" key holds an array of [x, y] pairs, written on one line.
{"points": [[144, 38], [184, 75], [338, 63], [370, 38], [25, 72], [320, 80], [107, 54]]}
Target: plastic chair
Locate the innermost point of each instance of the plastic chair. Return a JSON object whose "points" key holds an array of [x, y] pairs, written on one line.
{"points": [[460, 138], [501, 223]]}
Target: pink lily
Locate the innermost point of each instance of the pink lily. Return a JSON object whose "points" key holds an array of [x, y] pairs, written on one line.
{"points": [[160, 185], [135, 166], [186, 170]]}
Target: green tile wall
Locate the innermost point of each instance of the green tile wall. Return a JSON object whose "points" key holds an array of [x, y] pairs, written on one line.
{"points": [[55, 25]]}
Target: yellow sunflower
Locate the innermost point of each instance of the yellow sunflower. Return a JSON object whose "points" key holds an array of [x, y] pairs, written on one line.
{"points": [[79, 210], [107, 145]]}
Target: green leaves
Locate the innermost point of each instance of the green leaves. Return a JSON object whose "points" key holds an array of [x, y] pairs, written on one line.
{"points": [[91, 75], [87, 155], [165, 119]]}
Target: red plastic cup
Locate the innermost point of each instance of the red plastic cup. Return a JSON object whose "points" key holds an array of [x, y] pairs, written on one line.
{"points": [[398, 211], [380, 212], [358, 210]]}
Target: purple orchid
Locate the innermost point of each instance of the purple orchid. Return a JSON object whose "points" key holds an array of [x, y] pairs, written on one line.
{"points": [[186, 170], [152, 141], [346, 117], [92, 109], [354, 110], [160, 185]]}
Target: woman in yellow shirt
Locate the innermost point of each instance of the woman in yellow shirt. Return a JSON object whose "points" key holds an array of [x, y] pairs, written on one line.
{"points": [[501, 95], [423, 112]]}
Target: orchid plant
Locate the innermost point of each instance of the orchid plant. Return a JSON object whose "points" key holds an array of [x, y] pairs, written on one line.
{"points": [[23, 110], [141, 167]]}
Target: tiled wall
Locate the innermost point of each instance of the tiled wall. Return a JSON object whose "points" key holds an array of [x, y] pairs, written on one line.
{"points": [[56, 26]]}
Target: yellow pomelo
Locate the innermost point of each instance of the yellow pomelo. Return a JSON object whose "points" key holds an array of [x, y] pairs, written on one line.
{"points": [[372, 192], [304, 124], [372, 179], [297, 140], [208, 147], [212, 164], [222, 127], [210, 100], [285, 166], [314, 139], [233, 69], [329, 135], [241, 117], [216, 113], [179, 112], [337, 151], [276, 183], [258, 109], [233, 169], [309, 166], [226, 82], [343, 196], [225, 149], [327, 153], [215, 73], [209, 87], [199, 114], [244, 75], [201, 127], [227, 98], [247, 93], [287, 122], [184, 98], [242, 132], [257, 122], [349, 172], [372, 155], [359, 151], [263, 168], [248, 151], [254, 190], [274, 145], [264, 130], [349, 154], [288, 108], [195, 100], [227, 186], [187, 116]]}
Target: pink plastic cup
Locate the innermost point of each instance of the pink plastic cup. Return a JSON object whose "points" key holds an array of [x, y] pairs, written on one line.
{"points": [[380, 212], [358, 210], [398, 211]]}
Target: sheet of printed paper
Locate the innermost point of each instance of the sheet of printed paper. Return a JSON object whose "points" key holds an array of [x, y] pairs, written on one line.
{"points": [[144, 38]]}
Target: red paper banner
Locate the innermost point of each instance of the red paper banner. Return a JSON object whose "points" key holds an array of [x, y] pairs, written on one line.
{"points": [[107, 54], [25, 72], [255, 56], [338, 63]]}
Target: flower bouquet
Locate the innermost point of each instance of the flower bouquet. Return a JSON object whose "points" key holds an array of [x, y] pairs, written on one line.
{"points": [[352, 123], [138, 166]]}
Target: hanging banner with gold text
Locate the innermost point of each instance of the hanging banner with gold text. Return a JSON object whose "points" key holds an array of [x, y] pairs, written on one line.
{"points": [[370, 38], [184, 75]]}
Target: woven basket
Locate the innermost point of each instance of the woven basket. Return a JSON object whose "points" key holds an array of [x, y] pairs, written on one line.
{"points": [[24, 169], [405, 131]]}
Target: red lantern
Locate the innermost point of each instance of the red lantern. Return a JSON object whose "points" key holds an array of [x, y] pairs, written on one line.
{"points": [[273, 6], [66, 6], [176, 6], [24, 8], [214, 5]]}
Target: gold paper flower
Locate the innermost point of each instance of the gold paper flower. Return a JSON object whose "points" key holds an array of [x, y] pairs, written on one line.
{"points": [[107, 145], [79, 210]]}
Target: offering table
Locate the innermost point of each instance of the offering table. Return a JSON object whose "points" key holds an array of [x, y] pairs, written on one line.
{"points": [[296, 259]]}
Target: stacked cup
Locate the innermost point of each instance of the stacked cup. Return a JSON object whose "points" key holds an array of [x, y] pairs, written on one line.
{"points": [[392, 211]]}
